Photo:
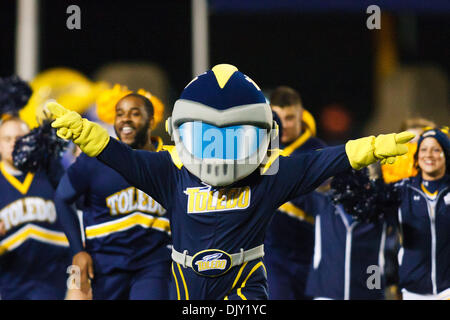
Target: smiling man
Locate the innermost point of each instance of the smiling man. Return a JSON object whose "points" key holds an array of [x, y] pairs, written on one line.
{"points": [[134, 118], [126, 231]]}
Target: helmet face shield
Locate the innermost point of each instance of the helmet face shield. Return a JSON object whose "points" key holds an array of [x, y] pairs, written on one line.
{"points": [[222, 126], [205, 141]]}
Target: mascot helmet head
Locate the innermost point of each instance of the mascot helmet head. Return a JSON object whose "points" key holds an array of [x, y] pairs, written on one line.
{"points": [[221, 126]]}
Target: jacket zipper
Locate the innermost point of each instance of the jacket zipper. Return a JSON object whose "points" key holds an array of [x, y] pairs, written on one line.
{"points": [[431, 205], [348, 253]]}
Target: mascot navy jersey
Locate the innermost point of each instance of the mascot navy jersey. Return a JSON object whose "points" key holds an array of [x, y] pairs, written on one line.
{"points": [[219, 209], [34, 253], [225, 218], [292, 228], [125, 229], [220, 199], [289, 241]]}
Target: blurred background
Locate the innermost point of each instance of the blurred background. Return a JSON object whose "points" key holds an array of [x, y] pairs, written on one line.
{"points": [[354, 81]]}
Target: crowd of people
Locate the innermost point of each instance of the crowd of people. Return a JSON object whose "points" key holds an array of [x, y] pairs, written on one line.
{"points": [[220, 214]]}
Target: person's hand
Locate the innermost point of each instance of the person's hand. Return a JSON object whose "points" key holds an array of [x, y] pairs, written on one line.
{"points": [[77, 294], [91, 137], [84, 261], [385, 147], [2, 228], [389, 146]]}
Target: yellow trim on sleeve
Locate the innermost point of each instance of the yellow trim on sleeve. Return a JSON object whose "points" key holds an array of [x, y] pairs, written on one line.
{"points": [[275, 153], [286, 152], [174, 154], [31, 231], [127, 222], [296, 212], [21, 187]]}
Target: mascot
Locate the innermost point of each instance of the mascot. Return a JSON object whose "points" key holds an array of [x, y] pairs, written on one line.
{"points": [[221, 181]]}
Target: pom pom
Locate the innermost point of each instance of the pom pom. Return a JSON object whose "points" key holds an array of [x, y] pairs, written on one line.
{"points": [[107, 100], [68, 87], [38, 149], [403, 167], [14, 95], [158, 106], [367, 200]]}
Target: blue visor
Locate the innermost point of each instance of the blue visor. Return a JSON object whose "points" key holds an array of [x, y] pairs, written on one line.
{"points": [[206, 141]]}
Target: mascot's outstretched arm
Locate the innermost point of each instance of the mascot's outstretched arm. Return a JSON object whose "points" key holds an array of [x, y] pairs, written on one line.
{"points": [[136, 166], [92, 138], [385, 147]]}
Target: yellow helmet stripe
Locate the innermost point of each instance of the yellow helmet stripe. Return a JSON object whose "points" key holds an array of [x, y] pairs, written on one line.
{"points": [[223, 73]]}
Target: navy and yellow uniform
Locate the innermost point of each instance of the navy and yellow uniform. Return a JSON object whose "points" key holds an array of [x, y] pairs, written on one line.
{"points": [[34, 253], [220, 183], [226, 218], [289, 243], [345, 251], [424, 222], [127, 232]]}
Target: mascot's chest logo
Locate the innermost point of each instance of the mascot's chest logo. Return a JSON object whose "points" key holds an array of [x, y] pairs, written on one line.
{"points": [[211, 262], [203, 199]]}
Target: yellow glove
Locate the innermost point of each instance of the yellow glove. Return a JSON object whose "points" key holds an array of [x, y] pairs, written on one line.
{"points": [[91, 137], [385, 147]]}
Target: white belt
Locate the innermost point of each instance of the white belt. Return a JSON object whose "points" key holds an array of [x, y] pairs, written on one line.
{"points": [[236, 259]]}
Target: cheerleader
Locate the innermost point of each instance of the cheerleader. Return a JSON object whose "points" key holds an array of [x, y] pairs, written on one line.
{"points": [[34, 251], [424, 220]]}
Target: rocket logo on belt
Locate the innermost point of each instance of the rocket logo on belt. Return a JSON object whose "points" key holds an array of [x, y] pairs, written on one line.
{"points": [[211, 262], [203, 199]]}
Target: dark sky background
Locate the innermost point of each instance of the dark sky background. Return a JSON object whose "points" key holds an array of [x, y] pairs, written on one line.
{"points": [[327, 56]]}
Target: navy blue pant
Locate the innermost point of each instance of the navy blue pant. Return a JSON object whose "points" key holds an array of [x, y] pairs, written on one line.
{"points": [[286, 278], [245, 282], [35, 290], [150, 283]]}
